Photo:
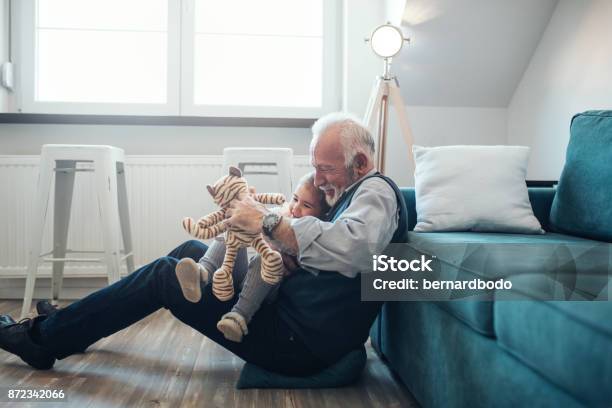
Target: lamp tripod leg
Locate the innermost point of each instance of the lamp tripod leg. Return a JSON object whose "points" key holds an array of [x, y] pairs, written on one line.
{"points": [[383, 120], [377, 117], [398, 103]]}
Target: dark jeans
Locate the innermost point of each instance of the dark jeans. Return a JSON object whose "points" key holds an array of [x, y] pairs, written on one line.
{"points": [[269, 344]]}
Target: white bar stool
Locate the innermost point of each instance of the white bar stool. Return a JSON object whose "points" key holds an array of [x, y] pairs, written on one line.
{"points": [[108, 165], [271, 161]]}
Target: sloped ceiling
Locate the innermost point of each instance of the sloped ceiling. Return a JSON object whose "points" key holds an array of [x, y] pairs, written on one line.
{"points": [[468, 52]]}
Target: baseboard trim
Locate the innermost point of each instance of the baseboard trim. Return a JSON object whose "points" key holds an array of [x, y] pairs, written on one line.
{"points": [[73, 287]]}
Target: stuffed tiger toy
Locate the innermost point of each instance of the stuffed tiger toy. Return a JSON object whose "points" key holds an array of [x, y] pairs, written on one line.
{"points": [[224, 192]]}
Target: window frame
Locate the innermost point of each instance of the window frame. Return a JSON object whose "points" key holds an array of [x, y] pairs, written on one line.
{"points": [[180, 76]]}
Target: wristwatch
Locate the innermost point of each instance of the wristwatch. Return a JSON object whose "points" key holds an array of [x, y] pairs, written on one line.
{"points": [[270, 221]]}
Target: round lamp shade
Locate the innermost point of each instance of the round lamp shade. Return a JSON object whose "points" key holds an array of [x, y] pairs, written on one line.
{"points": [[386, 40]]}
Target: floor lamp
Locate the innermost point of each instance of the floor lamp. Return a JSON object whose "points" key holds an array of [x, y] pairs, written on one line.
{"points": [[386, 42]]}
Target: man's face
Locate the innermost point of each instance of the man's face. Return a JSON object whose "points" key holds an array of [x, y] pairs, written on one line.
{"points": [[331, 174]]}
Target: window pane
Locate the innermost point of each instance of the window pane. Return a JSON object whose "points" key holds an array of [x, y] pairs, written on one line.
{"points": [[258, 71], [258, 53], [277, 17], [150, 15], [102, 51], [101, 66]]}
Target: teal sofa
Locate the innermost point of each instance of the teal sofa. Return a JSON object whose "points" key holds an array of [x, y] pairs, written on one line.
{"points": [[521, 352]]}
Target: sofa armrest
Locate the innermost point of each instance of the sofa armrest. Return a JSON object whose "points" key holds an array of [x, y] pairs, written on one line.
{"points": [[541, 199], [409, 197]]}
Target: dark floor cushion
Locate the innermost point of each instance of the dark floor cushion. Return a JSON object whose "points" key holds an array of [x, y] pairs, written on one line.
{"points": [[345, 372], [582, 203]]}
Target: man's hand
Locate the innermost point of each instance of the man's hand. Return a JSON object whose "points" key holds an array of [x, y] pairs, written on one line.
{"points": [[246, 214], [290, 263]]}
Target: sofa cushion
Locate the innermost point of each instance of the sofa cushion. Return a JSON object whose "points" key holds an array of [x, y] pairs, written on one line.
{"points": [[582, 203], [569, 343], [344, 372], [581, 265]]}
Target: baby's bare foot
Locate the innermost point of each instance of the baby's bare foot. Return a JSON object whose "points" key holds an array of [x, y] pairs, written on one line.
{"points": [[188, 275]]}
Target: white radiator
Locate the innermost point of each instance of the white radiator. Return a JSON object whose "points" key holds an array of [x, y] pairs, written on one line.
{"points": [[161, 191]]}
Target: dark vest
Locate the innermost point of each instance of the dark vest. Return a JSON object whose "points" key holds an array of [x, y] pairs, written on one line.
{"points": [[325, 310]]}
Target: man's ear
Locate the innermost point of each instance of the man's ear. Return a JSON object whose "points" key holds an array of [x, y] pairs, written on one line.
{"points": [[211, 190], [360, 162]]}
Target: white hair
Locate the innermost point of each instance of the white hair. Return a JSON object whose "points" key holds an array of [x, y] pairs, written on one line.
{"points": [[354, 135]]}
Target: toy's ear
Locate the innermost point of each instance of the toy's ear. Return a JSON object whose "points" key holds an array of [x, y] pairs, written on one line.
{"points": [[235, 171], [211, 190]]}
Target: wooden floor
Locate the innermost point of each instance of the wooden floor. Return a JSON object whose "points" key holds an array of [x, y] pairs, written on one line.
{"points": [[161, 362]]}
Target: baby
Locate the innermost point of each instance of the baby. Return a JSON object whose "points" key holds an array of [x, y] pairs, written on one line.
{"points": [[307, 200]]}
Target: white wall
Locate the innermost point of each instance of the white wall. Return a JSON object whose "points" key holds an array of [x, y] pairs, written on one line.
{"points": [[438, 126], [3, 49], [468, 52], [394, 11], [571, 71], [172, 140], [361, 65]]}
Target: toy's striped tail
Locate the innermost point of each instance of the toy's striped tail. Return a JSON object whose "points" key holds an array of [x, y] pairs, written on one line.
{"points": [[270, 198]]}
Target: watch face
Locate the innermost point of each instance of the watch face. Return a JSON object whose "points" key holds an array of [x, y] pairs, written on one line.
{"points": [[270, 221], [266, 221]]}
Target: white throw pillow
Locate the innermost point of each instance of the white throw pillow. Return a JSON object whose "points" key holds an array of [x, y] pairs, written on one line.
{"points": [[473, 188]]}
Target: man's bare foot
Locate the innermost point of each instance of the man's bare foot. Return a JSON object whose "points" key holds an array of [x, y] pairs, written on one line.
{"points": [[233, 326], [188, 275]]}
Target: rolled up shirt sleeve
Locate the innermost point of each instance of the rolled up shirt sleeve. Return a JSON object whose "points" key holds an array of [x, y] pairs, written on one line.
{"points": [[346, 245]]}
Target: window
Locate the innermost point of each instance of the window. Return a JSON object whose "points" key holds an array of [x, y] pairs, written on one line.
{"points": [[99, 56], [241, 58]]}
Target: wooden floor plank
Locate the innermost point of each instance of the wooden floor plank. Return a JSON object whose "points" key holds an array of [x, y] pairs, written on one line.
{"points": [[160, 362]]}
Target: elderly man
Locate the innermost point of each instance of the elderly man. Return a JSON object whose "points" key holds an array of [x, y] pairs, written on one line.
{"points": [[318, 316]]}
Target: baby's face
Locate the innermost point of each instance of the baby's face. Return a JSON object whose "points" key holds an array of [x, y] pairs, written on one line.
{"points": [[305, 201]]}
